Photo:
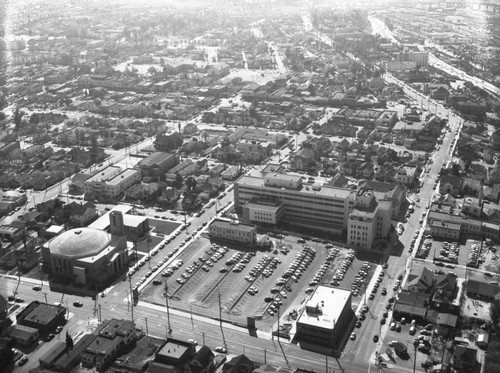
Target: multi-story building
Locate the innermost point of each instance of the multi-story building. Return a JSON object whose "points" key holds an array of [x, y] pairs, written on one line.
{"points": [[406, 175], [111, 182], [316, 206], [278, 196], [369, 220], [325, 320], [233, 231]]}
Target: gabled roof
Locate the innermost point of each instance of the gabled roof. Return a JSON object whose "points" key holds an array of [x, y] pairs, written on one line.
{"points": [[450, 179], [79, 210], [422, 277], [446, 282]]}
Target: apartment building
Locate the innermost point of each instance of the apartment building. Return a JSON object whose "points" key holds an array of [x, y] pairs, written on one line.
{"points": [[111, 182]]}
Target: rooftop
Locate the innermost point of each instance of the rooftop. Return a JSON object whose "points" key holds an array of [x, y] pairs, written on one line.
{"points": [[230, 224], [105, 174], [324, 307], [42, 313], [326, 191], [123, 176], [79, 242]]}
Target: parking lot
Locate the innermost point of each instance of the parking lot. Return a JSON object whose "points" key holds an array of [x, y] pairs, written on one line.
{"points": [[248, 282], [450, 253], [401, 336]]}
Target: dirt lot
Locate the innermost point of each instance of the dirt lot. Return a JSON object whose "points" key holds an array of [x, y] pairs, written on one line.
{"points": [[259, 269]]}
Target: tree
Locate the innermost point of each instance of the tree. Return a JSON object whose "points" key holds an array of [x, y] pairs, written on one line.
{"points": [[190, 183], [69, 341], [152, 70], [18, 116], [178, 181]]}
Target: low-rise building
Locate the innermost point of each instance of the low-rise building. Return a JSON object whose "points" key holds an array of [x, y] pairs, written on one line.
{"points": [[233, 231], [263, 212], [112, 337], [406, 175], [24, 335], [42, 316]]}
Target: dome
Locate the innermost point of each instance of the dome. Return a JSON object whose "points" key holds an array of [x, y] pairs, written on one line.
{"points": [[79, 242]]}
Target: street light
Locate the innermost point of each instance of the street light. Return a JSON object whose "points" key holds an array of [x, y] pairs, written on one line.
{"points": [[415, 346]]}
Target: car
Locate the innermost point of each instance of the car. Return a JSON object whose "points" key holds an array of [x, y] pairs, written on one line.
{"points": [[382, 321], [19, 300], [78, 304], [180, 281], [358, 324], [375, 338], [156, 282], [50, 337], [392, 326], [384, 291], [221, 350], [193, 342], [37, 288], [353, 336], [412, 330], [59, 329], [22, 361], [371, 297], [223, 270]]}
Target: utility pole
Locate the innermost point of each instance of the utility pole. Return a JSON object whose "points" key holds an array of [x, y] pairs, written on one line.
{"points": [[168, 309], [131, 298], [220, 321]]}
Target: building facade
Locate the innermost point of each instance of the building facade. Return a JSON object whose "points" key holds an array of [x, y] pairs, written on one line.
{"points": [[233, 231], [326, 319]]}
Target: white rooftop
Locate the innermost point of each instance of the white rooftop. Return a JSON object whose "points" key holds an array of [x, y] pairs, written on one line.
{"points": [[324, 307]]}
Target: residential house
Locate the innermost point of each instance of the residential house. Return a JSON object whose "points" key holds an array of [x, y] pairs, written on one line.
{"points": [[420, 280], [203, 361], [450, 184], [82, 214], [239, 364]]}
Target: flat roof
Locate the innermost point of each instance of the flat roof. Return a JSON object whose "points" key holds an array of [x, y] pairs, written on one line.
{"points": [[133, 220], [104, 175], [263, 205], [324, 190], [324, 307], [174, 349], [43, 313], [103, 222], [123, 175], [233, 225], [443, 224]]}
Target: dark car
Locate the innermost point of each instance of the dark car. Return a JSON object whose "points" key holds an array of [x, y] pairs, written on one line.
{"points": [[375, 338], [78, 304], [50, 337], [22, 361], [37, 288]]}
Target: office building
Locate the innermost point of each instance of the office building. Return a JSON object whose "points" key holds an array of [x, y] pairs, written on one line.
{"points": [[326, 320]]}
